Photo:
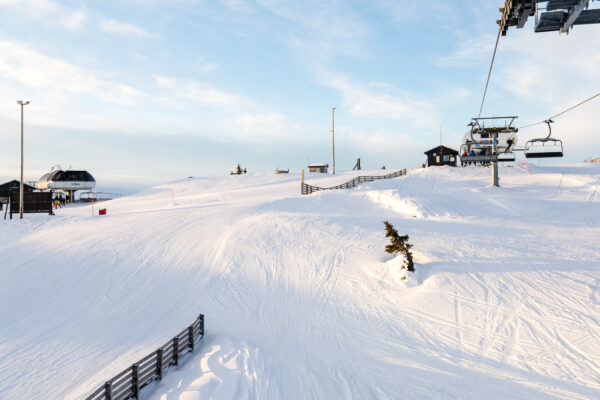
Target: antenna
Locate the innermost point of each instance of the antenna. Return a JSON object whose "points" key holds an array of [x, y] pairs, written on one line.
{"points": [[441, 134]]}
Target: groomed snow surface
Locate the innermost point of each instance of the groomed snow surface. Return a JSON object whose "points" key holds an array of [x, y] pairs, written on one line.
{"points": [[301, 301]]}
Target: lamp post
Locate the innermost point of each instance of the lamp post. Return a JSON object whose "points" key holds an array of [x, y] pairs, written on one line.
{"points": [[333, 137], [22, 103]]}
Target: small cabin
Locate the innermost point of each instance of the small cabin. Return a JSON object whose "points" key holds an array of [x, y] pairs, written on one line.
{"points": [[322, 168], [441, 155], [13, 185]]}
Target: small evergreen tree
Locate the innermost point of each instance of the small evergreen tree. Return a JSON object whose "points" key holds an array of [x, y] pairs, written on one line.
{"points": [[399, 245], [238, 170]]}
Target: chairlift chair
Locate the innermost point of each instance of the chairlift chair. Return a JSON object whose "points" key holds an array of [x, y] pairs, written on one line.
{"points": [[480, 140], [544, 147], [507, 157]]}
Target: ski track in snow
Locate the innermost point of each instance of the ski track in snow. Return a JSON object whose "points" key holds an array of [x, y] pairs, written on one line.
{"points": [[298, 300]]}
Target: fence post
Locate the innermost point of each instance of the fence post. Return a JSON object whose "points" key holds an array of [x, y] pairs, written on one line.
{"points": [[191, 337], [202, 325], [159, 356], [134, 381], [108, 390], [176, 350]]}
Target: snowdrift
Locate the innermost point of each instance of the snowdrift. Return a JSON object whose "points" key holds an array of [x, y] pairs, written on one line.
{"points": [[300, 299]]}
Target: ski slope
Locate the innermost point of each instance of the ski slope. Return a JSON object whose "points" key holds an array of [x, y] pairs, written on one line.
{"points": [[300, 299]]}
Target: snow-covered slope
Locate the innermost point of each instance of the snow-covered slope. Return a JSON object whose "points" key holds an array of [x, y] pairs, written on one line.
{"points": [[299, 297]]}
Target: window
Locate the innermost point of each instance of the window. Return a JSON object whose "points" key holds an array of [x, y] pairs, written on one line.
{"points": [[446, 158]]}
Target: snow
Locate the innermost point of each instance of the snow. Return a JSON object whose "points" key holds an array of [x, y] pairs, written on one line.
{"points": [[300, 299]]}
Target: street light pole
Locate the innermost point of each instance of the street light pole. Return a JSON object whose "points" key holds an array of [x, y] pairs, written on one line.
{"points": [[22, 104], [333, 137]]}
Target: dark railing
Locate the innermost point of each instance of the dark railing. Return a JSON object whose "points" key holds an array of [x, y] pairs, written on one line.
{"points": [[308, 189], [128, 383]]}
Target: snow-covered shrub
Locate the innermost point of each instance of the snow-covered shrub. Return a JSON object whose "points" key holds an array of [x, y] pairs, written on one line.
{"points": [[399, 245], [237, 170]]}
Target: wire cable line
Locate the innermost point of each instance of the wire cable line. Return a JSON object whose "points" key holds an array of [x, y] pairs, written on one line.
{"points": [[487, 82], [562, 112]]}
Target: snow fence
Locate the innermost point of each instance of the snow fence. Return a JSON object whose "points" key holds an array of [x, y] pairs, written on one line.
{"points": [[127, 384], [308, 189]]}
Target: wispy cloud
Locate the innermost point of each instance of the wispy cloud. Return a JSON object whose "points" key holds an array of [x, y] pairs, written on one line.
{"points": [[378, 141], [241, 117], [331, 19], [377, 100], [404, 12], [320, 31], [19, 63], [204, 67], [270, 124], [237, 5], [121, 28], [198, 92], [469, 53], [312, 27], [33, 7], [50, 11], [548, 70], [74, 20]]}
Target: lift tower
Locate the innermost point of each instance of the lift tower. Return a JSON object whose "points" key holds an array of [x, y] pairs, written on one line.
{"points": [[482, 146]]}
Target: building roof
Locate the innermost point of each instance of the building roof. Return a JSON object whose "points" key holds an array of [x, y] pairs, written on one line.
{"points": [[442, 149], [14, 184], [317, 165], [70, 175]]}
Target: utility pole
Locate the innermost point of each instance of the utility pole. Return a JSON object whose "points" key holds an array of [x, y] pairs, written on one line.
{"points": [[333, 137], [22, 104]]}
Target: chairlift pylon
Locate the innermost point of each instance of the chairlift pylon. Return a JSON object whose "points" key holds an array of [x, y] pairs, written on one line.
{"points": [[544, 147]]}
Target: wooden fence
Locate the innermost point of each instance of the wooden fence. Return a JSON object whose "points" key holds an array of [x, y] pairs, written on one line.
{"points": [[128, 383], [308, 189]]}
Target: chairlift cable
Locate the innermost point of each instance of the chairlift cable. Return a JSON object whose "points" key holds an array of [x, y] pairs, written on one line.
{"points": [[563, 112], [490, 71]]}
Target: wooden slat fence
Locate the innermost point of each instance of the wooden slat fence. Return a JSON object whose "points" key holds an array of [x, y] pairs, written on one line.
{"points": [[128, 383], [308, 189]]}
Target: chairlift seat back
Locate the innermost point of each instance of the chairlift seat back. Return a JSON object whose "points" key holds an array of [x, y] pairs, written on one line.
{"points": [[544, 148], [546, 154], [506, 157]]}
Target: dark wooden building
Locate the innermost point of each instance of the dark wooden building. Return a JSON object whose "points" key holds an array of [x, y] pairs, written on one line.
{"points": [[322, 168], [13, 185], [441, 155]]}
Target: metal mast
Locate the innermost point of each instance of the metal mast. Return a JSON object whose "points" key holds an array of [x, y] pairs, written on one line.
{"points": [[22, 104], [333, 138]]}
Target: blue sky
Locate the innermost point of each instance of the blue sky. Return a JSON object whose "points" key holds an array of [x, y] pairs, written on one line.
{"points": [[141, 92]]}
